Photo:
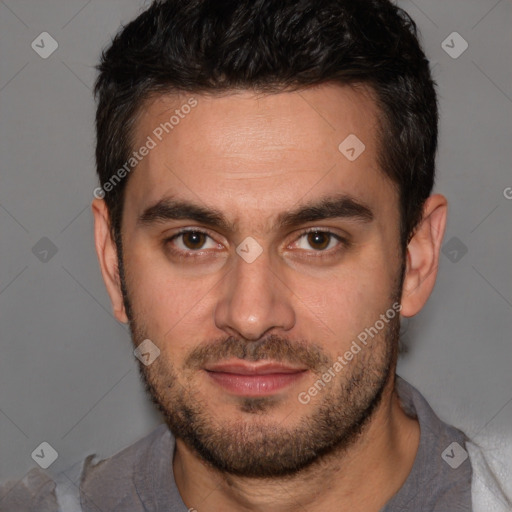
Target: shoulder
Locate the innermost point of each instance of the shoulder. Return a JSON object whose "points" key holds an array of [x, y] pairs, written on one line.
{"points": [[484, 482], [111, 483], [123, 463], [90, 485], [492, 477], [35, 492]]}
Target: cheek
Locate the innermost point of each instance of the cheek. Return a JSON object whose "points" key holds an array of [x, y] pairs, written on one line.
{"points": [[165, 299], [339, 305]]}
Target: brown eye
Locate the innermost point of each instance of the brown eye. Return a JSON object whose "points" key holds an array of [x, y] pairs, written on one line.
{"points": [[192, 243], [193, 239], [318, 240]]}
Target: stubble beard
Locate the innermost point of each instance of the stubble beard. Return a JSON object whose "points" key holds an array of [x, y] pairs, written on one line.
{"points": [[262, 448], [256, 446]]}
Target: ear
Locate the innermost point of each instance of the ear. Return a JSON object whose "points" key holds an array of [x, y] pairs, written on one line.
{"points": [[107, 256], [422, 258]]}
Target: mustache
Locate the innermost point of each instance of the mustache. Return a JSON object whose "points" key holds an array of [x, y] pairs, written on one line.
{"points": [[272, 347]]}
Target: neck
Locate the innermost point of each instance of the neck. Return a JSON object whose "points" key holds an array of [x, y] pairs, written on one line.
{"points": [[362, 477]]}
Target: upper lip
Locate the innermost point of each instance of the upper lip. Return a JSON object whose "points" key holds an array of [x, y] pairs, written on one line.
{"points": [[258, 368]]}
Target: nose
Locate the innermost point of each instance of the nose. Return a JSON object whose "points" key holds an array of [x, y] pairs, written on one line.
{"points": [[254, 301]]}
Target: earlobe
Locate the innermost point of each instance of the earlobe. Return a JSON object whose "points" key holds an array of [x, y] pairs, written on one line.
{"points": [[107, 257], [422, 257]]}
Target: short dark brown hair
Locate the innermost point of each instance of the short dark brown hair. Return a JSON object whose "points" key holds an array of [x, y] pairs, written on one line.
{"points": [[274, 45]]}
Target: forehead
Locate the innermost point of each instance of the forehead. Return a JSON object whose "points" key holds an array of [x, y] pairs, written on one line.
{"points": [[263, 153]]}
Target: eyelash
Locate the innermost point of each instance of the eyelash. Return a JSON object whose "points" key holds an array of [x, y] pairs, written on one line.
{"points": [[343, 243]]}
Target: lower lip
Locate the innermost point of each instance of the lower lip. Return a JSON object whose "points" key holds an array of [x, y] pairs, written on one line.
{"points": [[255, 385]]}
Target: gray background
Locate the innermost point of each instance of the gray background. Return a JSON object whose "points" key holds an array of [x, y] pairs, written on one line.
{"points": [[67, 371]]}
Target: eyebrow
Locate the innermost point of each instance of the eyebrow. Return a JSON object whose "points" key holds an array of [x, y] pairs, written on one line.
{"points": [[341, 206]]}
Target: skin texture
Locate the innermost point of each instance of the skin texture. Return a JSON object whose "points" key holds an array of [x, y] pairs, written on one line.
{"points": [[252, 158]]}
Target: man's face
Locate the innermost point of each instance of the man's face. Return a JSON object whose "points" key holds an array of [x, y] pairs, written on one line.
{"points": [[269, 253]]}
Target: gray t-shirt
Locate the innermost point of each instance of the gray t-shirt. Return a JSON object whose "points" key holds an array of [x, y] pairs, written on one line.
{"points": [[140, 478], [440, 478]]}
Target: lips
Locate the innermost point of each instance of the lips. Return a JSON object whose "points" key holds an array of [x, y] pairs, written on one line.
{"points": [[254, 379], [264, 368]]}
